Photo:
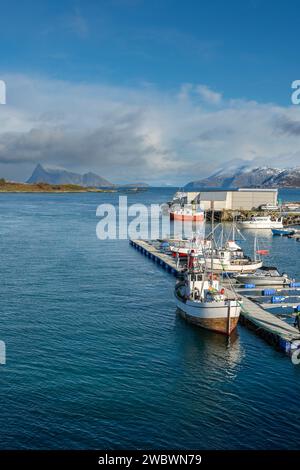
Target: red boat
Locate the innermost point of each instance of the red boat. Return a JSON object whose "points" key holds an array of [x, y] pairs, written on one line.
{"points": [[187, 214]]}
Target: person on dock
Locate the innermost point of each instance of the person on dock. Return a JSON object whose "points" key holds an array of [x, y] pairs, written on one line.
{"points": [[297, 320]]}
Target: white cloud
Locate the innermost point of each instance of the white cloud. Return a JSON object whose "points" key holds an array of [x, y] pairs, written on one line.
{"points": [[208, 95], [138, 134]]}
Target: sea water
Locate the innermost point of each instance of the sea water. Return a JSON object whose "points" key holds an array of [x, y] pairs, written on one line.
{"points": [[96, 356]]}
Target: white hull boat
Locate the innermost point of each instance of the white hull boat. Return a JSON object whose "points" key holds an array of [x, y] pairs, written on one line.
{"points": [[261, 223], [231, 262], [201, 301], [265, 276], [242, 265], [221, 318]]}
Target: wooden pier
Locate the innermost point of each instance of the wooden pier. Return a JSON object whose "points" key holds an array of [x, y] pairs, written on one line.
{"points": [[162, 259], [267, 325], [274, 330]]}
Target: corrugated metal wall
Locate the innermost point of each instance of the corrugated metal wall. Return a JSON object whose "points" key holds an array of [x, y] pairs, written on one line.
{"points": [[243, 200]]}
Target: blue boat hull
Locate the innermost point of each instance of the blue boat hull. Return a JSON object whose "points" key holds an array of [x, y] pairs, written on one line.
{"points": [[282, 232]]}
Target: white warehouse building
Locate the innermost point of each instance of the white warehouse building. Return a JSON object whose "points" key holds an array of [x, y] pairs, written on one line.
{"points": [[234, 199]]}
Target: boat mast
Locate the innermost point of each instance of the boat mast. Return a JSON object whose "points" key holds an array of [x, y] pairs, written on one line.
{"points": [[212, 241], [233, 228]]}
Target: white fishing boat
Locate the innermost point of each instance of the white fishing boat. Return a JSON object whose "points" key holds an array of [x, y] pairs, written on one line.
{"points": [[265, 276], [230, 258], [203, 301], [226, 261], [261, 223]]}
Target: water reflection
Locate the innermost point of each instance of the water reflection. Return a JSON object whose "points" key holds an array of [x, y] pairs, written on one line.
{"points": [[206, 350]]}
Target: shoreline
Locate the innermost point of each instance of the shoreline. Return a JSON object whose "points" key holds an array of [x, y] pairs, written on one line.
{"points": [[57, 191], [9, 187]]}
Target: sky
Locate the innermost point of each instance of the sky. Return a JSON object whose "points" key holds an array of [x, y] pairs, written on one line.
{"points": [[162, 92]]}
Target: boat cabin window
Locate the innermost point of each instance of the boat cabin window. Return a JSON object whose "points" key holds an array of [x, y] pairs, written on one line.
{"points": [[196, 277]]}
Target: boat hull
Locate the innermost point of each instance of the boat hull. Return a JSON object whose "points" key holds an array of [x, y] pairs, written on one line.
{"points": [[213, 316], [260, 225], [187, 217], [264, 281], [282, 232], [183, 252], [219, 267]]}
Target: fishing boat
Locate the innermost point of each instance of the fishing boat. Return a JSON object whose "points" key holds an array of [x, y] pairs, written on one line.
{"points": [[261, 223], [234, 260], [230, 258], [183, 248], [265, 276], [282, 232], [187, 213], [203, 301], [226, 261]]}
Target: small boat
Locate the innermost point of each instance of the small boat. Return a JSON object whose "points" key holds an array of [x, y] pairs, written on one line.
{"points": [[202, 300], [269, 207], [261, 223], [265, 276], [282, 232]]}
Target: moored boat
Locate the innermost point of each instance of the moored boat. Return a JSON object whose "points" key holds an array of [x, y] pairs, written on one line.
{"points": [[225, 261], [187, 213], [183, 248], [265, 276], [261, 223], [203, 301], [282, 232]]}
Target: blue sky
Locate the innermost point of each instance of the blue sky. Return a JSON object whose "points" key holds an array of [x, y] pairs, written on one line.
{"points": [[224, 58]]}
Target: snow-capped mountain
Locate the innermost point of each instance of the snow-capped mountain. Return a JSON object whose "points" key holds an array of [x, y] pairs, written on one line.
{"points": [[55, 175], [247, 176]]}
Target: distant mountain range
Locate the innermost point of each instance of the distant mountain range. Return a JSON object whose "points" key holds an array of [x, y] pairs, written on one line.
{"points": [[246, 176], [51, 175], [55, 175]]}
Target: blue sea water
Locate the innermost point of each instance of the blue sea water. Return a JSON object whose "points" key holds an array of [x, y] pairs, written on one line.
{"points": [[98, 358]]}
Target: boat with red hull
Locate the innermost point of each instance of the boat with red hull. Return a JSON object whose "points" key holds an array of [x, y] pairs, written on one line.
{"points": [[187, 214]]}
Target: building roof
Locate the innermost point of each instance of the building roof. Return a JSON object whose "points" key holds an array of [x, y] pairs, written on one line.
{"points": [[231, 190]]}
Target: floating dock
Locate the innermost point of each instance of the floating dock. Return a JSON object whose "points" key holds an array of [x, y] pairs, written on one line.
{"points": [[253, 315], [162, 259], [267, 325]]}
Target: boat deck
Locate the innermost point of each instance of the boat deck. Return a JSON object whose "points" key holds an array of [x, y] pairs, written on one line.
{"points": [[253, 315]]}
